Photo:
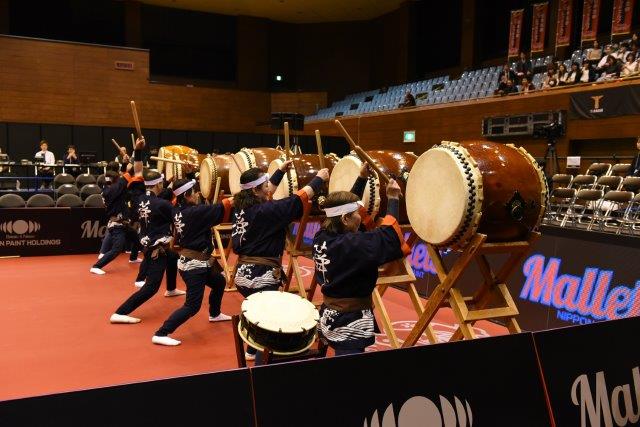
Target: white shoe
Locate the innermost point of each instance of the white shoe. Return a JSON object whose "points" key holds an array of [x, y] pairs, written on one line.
{"points": [[127, 252], [174, 293], [95, 270], [139, 284], [248, 356], [164, 341], [219, 318], [135, 261], [100, 256], [121, 318]]}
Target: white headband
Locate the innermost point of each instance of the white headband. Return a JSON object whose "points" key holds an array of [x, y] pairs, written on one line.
{"points": [[189, 185], [343, 209], [255, 183], [154, 181]]}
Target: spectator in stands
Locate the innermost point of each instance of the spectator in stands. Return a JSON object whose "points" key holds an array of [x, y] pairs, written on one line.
{"points": [[608, 50], [563, 75], [611, 70], [551, 78], [506, 87], [48, 159], [527, 86], [507, 71], [122, 156], [595, 53], [573, 76], [631, 66], [587, 74], [409, 100], [621, 53], [524, 69]]}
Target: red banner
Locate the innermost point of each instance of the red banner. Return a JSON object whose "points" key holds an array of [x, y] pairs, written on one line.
{"points": [[621, 22], [590, 17], [515, 32], [539, 26], [565, 16]]}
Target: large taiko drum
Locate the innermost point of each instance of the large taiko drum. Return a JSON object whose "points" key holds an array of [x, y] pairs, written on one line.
{"points": [[304, 168], [395, 164], [212, 167], [283, 322], [250, 158], [175, 152], [456, 190]]}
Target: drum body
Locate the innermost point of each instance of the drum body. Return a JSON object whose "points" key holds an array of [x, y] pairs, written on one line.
{"points": [[395, 164], [249, 158], [280, 321], [211, 168], [175, 152], [303, 170], [457, 190]]}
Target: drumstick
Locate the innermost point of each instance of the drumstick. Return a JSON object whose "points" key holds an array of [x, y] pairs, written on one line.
{"points": [[179, 162], [320, 153], [133, 141], [116, 144], [135, 118], [215, 193], [361, 153], [287, 149]]}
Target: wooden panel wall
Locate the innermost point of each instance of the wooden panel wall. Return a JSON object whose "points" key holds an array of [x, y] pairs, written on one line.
{"points": [[463, 120], [51, 82], [300, 102]]}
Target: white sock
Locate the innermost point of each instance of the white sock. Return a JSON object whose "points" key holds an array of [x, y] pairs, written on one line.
{"points": [[100, 256], [95, 270], [121, 318], [139, 284], [174, 293], [164, 341]]}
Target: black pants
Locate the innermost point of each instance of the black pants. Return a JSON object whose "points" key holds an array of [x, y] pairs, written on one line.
{"points": [[196, 280], [114, 242], [132, 243], [155, 271], [171, 269]]}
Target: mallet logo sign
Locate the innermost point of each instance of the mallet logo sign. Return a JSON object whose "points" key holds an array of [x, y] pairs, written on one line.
{"points": [[420, 411], [596, 104]]}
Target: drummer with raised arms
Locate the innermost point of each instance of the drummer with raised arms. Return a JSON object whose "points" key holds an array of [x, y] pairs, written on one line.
{"points": [[260, 227], [198, 269], [347, 264]]}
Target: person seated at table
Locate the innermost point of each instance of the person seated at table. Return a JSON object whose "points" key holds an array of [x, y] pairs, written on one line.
{"points": [[48, 159], [71, 158]]}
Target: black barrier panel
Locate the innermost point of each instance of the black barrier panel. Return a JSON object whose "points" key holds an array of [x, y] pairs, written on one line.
{"points": [[486, 382], [570, 277], [51, 231], [218, 399], [592, 373]]}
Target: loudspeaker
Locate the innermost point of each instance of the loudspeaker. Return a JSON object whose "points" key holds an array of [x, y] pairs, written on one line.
{"points": [[296, 121]]}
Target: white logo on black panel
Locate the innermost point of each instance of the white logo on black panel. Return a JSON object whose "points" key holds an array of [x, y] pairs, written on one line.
{"points": [[19, 227], [419, 411]]}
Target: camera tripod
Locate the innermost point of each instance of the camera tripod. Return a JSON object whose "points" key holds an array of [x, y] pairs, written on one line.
{"points": [[551, 158]]}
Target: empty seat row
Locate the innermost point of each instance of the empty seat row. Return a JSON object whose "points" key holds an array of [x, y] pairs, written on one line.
{"points": [[84, 192], [45, 201], [80, 180]]}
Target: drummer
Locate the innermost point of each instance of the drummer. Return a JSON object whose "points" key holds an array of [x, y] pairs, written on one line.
{"points": [[193, 224], [260, 227], [347, 264]]}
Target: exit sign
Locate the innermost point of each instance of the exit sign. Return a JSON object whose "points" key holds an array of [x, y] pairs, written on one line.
{"points": [[409, 136]]}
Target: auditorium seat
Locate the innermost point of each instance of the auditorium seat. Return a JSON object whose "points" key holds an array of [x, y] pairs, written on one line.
{"points": [[69, 201], [100, 181], [63, 178], [88, 190], [40, 201], [599, 169], [583, 181], [94, 201], [631, 218], [11, 201], [67, 189], [85, 179], [621, 169], [631, 183], [608, 183]]}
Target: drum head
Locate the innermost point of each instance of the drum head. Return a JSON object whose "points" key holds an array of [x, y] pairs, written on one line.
{"points": [[234, 172], [280, 312], [344, 175], [438, 196], [207, 168], [288, 181]]}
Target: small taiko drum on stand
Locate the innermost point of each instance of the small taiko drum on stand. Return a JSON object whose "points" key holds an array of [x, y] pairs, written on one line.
{"points": [[282, 322], [213, 167], [304, 168], [248, 158], [175, 152], [395, 164], [456, 190]]}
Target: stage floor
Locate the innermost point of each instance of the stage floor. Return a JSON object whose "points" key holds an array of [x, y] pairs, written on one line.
{"points": [[58, 336]]}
